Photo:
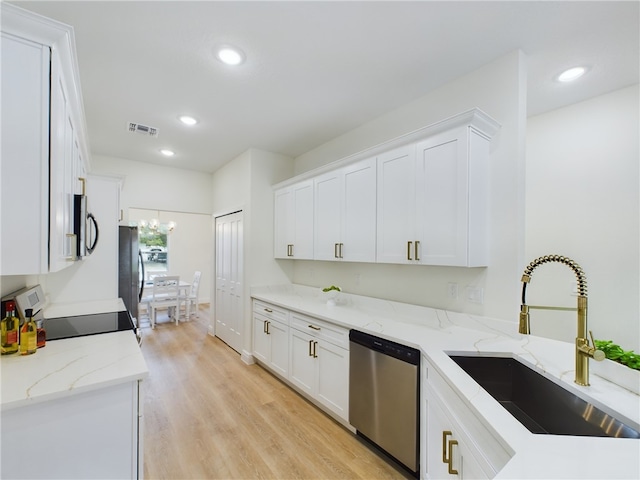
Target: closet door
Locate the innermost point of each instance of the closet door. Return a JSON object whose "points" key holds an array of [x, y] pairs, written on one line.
{"points": [[229, 281]]}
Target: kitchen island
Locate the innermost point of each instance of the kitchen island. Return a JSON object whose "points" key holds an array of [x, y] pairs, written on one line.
{"points": [[73, 409], [507, 448]]}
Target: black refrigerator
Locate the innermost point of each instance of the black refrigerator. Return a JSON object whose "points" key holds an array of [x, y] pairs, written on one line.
{"points": [[130, 270]]}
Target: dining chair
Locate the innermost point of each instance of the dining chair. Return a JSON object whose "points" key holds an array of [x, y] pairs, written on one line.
{"points": [[165, 294], [191, 298]]}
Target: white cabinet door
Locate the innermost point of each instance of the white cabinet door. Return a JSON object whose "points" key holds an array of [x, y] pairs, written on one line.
{"points": [[328, 215], [448, 452], [24, 170], [293, 222], [64, 150], [283, 222], [452, 198], [302, 372], [345, 213], [261, 342], [279, 338], [358, 220], [333, 377], [88, 435], [396, 195]]}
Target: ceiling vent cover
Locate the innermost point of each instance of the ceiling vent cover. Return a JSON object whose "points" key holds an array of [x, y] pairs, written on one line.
{"points": [[142, 129]]}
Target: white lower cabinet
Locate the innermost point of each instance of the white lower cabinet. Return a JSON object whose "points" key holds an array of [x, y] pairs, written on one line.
{"points": [[89, 435], [454, 442], [271, 337], [320, 367], [311, 355]]}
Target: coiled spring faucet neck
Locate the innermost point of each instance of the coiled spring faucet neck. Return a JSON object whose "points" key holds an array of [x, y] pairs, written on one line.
{"points": [[583, 350]]}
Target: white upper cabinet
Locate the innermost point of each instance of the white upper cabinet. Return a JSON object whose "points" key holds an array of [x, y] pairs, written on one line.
{"points": [[453, 190], [397, 205], [293, 226], [44, 148], [345, 213], [420, 199]]}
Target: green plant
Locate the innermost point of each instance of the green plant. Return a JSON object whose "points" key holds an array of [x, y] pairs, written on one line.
{"points": [[332, 287], [617, 354]]}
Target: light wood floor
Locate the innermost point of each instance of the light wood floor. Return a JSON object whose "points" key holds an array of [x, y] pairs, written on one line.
{"points": [[208, 415]]}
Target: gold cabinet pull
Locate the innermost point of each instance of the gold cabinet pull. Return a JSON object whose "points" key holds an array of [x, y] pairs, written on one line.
{"points": [[290, 250], [264, 326], [311, 348], [84, 185], [315, 353], [341, 245], [335, 250], [415, 250], [268, 332], [452, 470], [268, 310], [409, 250], [313, 327], [445, 434], [447, 451]]}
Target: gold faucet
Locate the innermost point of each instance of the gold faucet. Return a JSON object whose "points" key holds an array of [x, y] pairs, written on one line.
{"points": [[583, 350]]}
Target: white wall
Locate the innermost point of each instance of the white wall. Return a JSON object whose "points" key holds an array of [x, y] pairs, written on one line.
{"points": [[156, 187], [583, 201], [245, 184], [499, 89]]}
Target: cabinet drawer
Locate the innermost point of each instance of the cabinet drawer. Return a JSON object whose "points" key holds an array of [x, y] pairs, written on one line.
{"points": [[271, 312], [320, 329]]}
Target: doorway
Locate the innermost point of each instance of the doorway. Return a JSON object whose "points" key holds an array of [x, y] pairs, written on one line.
{"points": [[229, 311]]}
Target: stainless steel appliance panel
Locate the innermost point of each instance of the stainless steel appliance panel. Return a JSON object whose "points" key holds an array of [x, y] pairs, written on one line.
{"points": [[130, 270], [384, 396]]}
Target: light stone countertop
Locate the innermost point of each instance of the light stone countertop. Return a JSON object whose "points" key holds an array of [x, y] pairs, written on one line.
{"points": [[73, 365], [438, 332]]}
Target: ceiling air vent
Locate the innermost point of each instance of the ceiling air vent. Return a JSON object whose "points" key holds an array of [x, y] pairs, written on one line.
{"points": [[143, 129]]}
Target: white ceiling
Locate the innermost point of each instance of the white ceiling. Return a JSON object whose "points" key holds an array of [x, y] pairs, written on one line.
{"points": [[315, 70]]}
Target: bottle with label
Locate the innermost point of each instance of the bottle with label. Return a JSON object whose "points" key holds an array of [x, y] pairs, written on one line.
{"points": [[10, 330], [28, 334], [41, 335]]}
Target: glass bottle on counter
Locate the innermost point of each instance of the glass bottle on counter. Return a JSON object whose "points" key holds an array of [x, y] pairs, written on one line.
{"points": [[41, 335], [28, 334], [10, 328]]}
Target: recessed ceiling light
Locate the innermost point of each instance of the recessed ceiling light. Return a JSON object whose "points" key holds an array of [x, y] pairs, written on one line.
{"points": [[571, 74], [230, 55], [168, 153], [187, 120]]}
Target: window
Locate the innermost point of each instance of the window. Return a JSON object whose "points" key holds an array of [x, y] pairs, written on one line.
{"points": [[153, 246]]}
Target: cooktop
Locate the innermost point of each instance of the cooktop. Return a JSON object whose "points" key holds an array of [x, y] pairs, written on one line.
{"points": [[83, 325]]}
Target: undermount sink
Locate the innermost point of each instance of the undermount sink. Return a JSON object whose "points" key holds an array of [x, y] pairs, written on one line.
{"points": [[538, 403]]}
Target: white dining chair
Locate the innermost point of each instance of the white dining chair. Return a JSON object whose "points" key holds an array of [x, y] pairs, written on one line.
{"points": [[190, 299], [165, 294]]}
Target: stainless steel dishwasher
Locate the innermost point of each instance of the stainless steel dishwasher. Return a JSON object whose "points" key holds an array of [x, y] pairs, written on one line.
{"points": [[384, 395]]}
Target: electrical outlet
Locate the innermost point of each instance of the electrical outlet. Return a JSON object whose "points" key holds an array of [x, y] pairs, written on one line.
{"points": [[452, 290], [475, 295]]}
